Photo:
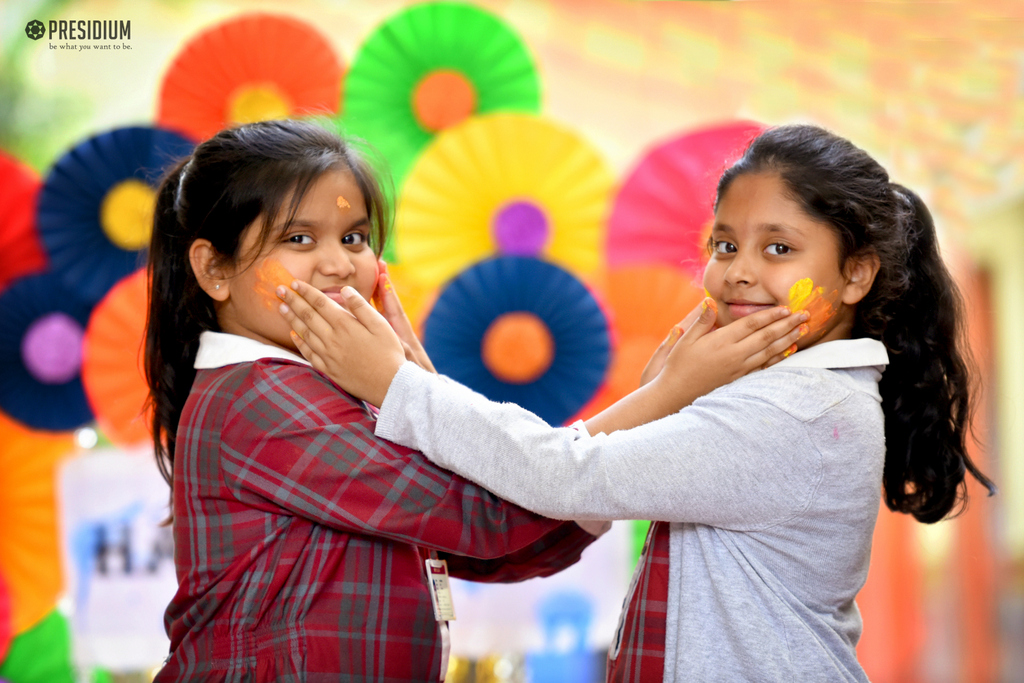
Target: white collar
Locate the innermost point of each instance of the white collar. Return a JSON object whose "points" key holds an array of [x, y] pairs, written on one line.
{"points": [[841, 353], [217, 349]]}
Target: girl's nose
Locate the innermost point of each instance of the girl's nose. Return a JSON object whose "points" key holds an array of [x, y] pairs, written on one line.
{"points": [[741, 270], [336, 260]]}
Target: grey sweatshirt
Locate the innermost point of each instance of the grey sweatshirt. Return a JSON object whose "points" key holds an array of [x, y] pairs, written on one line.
{"points": [[771, 484]]}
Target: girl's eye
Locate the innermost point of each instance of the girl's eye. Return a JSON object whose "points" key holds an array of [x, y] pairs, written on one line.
{"points": [[299, 239], [723, 247], [354, 238], [777, 249]]}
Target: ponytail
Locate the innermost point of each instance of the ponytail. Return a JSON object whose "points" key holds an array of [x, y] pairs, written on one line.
{"points": [[913, 307], [178, 312], [926, 390]]}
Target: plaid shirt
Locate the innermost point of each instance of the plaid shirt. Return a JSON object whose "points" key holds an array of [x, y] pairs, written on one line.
{"points": [[300, 536], [638, 653]]}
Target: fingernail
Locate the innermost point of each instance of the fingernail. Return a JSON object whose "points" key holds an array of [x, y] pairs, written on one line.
{"points": [[283, 308], [295, 284], [804, 329], [703, 306], [789, 352], [785, 311], [675, 334], [348, 292], [280, 291], [805, 315], [294, 335]]}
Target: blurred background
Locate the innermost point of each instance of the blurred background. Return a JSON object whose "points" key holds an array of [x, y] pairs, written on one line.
{"points": [[553, 165]]}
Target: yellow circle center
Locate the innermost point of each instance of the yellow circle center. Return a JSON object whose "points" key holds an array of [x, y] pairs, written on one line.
{"points": [[253, 103], [126, 214], [518, 348]]}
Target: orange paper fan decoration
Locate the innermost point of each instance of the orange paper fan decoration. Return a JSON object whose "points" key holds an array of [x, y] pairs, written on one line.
{"points": [[29, 550], [21, 250], [645, 302], [249, 68], [112, 357]]}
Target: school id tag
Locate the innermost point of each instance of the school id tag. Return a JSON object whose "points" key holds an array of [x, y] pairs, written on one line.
{"points": [[440, 591]]}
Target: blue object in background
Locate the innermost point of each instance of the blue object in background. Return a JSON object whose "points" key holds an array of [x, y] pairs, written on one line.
{"points": [[565, 618], [72, 195], [454, 330], [41, 354]]}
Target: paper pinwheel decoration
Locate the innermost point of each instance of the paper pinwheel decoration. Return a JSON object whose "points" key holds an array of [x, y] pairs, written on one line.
{"points": [[42, 654], [518, 329], [112, 357], [29, 551], [41, 354], [249, 68], [663, 211], [21, 251], [503, 184], [96, 206], [430, 67]]}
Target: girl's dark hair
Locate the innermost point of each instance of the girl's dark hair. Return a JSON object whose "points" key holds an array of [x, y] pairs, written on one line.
{"points": [[229, 181], [913, 307]]}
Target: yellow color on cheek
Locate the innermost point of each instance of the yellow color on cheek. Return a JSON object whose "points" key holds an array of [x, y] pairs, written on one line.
{"points": [[804, 296], [270, 275]]}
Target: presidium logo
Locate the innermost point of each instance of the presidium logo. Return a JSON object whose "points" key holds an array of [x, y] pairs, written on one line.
{"points": [[82, 30], [108, 29]]}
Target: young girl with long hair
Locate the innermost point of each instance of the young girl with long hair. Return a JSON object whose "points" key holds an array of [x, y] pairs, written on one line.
{"points": [[302, 540], [765, 490]]}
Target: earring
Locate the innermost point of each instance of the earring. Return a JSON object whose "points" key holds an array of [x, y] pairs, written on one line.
{"points": [[216, 287]]}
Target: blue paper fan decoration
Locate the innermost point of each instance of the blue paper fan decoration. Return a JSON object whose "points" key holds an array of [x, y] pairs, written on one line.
{"points": [[96, 206], [41, 354], [522, 330]]}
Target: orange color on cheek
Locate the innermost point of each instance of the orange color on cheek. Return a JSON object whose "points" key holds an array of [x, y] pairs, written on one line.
{"points": [[270, 274], [804, 296]]}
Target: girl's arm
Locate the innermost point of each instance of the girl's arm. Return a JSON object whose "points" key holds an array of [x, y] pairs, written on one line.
{"points": [[361, 352], [292, 441]]}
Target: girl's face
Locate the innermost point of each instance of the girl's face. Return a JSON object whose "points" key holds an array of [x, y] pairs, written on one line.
{"points": [[326, 245], [763, 243]]}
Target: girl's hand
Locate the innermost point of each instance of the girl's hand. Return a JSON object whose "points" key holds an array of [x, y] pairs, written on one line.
{"points": [[390, 307], [356, 347], [753, 351], [701, 359]]}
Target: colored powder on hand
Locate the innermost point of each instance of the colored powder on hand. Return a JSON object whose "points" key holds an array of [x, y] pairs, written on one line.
{"points": [[270, 274], [804, 296]]}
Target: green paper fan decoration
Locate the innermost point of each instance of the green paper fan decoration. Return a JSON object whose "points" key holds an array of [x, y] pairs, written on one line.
{"points": [[42, 654], [430, 67]]}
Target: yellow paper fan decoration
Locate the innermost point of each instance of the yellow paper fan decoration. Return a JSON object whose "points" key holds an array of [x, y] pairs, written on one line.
{"points": [[511, 184]]}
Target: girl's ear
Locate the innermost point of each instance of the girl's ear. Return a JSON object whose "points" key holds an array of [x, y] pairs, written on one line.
{"points": [[859, 271], [206, 264]]}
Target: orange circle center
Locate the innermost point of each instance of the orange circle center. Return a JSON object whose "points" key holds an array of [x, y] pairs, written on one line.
{"points": [[442, 99], [518, 348]]}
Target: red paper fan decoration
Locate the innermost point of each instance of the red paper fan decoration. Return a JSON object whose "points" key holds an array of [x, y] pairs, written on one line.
{"points": [[249, 68], [112, 356], [21, 250], [662, 212]]}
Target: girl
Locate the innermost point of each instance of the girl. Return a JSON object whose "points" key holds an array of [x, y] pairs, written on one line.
{"points": [[302, 541], [766, 489], [300, 538]]}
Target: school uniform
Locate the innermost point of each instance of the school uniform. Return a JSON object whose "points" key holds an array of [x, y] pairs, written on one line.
{"points": [[765, 494], [300, 537]]}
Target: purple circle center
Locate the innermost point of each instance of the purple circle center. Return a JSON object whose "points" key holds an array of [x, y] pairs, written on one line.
{"points": [[521, 229], [52, 348]]}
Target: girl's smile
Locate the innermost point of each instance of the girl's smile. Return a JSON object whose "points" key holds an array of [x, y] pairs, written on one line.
{"points": [[762, 242]]}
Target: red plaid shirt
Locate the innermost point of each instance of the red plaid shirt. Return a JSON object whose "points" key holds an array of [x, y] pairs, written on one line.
{"points": [[299, 536], [638, 653]]}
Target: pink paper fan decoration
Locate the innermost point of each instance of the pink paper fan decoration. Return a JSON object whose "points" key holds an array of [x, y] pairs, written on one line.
{"points": [[662, 212]]}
